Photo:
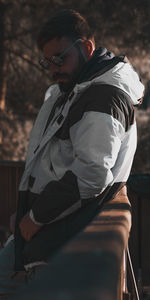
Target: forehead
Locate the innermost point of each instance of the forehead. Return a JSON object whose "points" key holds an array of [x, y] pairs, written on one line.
{"points": [[56, 46]]}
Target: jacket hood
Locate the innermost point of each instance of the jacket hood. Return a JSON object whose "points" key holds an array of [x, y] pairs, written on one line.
{"points": [[124, 77], [109, 69], [98, 62]]}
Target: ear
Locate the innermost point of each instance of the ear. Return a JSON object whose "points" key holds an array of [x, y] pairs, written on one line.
{"points": [[88, 47]]}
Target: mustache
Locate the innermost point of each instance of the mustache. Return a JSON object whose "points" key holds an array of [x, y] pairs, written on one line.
{"points": [[57, 76]]}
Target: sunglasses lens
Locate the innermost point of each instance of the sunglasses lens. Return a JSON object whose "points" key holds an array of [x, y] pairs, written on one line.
{"points": [[56, 60], [44, 63]]}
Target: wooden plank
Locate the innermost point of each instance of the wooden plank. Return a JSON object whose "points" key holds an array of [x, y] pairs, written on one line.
{"points": [[139, 238], [10, 174], [134, 234], [4, 196], [145, 240]]}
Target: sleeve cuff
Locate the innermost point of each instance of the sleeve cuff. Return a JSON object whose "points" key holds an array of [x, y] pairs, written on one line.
{"points": [[31, 215]]}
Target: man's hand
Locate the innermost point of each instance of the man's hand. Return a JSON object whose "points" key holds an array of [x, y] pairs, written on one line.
{"points": [[28, 228]]}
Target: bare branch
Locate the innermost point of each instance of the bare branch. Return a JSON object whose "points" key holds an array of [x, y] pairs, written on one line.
{"points": [[25, 58]]}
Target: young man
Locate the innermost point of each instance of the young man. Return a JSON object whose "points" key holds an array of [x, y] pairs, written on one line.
{"points": [[81, 147]]}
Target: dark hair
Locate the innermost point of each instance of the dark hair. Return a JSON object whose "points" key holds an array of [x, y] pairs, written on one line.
{"points": [[66, 23]]}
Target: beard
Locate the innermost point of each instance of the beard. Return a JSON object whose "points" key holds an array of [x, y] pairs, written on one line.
{"points": [[69, 79], [64, 81]]}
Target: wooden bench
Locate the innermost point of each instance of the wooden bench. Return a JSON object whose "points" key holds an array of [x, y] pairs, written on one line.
{"points": [[90, 266]]}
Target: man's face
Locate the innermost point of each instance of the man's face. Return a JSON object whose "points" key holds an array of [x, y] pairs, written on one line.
{"points": [[72, 64]]}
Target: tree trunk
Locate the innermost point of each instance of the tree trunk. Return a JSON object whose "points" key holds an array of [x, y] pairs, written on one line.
{"points": [[2, 59]]}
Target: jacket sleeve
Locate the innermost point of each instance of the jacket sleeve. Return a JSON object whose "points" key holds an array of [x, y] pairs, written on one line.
{"points": [[96, 140], [98, 127]]}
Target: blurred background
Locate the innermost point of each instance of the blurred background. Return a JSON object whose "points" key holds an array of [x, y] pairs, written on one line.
{"points": [[121, 26]]}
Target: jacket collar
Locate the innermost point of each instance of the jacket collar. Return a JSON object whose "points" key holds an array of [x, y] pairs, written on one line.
{"points": [[100, 59]]}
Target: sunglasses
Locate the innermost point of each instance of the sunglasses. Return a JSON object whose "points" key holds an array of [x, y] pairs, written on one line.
{"points": [[56, 59]]}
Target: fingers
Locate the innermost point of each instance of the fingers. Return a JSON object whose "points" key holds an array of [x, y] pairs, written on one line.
{"points": [[28, 228]]}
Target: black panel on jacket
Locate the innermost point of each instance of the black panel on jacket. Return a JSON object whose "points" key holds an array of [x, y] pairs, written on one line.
{"points": [[105, 99], [57, 197], [100, 98]]}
